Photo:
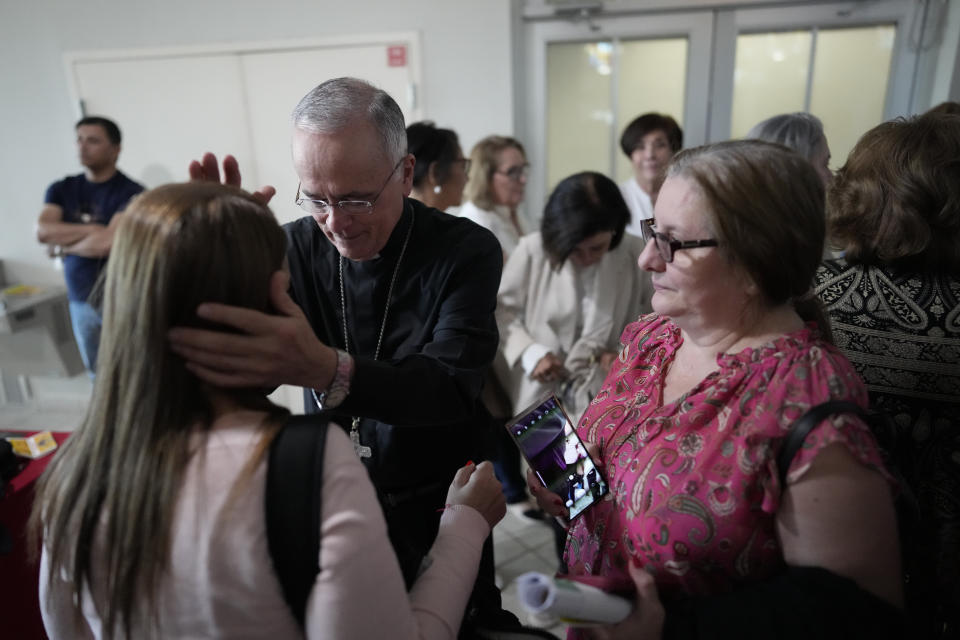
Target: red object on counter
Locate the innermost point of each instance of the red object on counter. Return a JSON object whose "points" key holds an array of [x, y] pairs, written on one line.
{"points": [[19, 578]]}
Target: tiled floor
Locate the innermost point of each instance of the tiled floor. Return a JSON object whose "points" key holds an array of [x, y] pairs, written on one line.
{"points": [[520, 544]]}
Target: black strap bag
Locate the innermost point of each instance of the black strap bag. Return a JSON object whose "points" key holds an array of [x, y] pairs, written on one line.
{"points": [[906, 504], [293, 507]]}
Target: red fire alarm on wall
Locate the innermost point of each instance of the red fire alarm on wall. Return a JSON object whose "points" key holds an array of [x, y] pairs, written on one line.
{"points": [[397, 55]]}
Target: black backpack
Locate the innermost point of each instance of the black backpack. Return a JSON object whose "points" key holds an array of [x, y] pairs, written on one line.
{"points": [[906, 504], [293, 507], [10, 465]]}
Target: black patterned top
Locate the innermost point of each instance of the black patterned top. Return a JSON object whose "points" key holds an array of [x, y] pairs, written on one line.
{"points": [[901, 331]]}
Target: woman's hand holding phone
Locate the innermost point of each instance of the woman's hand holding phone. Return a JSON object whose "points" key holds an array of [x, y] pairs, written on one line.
{"points": [[561, 461], [476, 486], [550, 502]]}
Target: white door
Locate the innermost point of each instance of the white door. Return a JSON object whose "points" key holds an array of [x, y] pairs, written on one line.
{"points": [[275, 82], [170, 109], [174, 105]]}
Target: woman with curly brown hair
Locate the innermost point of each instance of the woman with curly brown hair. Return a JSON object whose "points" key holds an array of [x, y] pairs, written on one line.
{"points": [[894, 305]]}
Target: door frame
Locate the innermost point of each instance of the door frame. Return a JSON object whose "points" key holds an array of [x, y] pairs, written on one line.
{"points": [[711, 27], [411, 39], [904, 61]]}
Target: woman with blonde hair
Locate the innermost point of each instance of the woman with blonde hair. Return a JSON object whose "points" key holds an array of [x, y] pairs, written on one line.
{"points": [[153, 512], [495, 188]]}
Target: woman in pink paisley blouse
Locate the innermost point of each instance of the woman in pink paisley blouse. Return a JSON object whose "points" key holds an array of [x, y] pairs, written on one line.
{"points": [[689, 421]]}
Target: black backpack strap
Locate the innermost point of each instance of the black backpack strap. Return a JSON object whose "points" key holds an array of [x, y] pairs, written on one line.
{"points": [[293, 507], [804, 425]]}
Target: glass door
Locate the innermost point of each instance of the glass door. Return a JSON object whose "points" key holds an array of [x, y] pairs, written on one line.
{"points": [[850, 68], [717, 72], [593, 77], [596, 88]]}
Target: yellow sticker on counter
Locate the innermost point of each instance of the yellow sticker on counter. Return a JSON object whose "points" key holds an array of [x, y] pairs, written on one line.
{"points": [[36, 446]]}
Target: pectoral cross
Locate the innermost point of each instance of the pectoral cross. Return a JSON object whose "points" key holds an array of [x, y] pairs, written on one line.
{"points": [[361, 450]]}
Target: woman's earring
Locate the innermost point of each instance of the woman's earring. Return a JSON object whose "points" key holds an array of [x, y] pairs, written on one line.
{"points": [[437, 189]]}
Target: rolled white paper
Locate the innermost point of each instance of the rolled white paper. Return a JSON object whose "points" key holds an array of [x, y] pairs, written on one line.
{"points": [[570, 600]]}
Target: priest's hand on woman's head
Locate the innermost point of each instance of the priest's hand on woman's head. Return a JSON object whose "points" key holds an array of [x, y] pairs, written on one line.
{"points": [[206, 169], [270, 350]]}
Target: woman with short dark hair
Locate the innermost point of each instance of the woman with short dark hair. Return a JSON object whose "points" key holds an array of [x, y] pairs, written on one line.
{"points": [[566, 291], [440, 173], [649, 142], [580, 207]]}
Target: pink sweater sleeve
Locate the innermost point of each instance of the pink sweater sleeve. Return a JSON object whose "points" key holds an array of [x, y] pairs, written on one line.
{"points": [[360, 592], [56, 610]]}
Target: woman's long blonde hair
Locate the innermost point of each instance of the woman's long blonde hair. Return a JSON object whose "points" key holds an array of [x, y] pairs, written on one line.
{"points": [[117, 478]]}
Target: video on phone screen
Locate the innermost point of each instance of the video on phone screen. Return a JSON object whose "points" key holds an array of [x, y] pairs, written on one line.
{"points": [[556, 454]]}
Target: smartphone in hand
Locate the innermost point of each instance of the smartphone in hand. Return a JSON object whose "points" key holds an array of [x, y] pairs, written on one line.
{"points": [[551, 446]]}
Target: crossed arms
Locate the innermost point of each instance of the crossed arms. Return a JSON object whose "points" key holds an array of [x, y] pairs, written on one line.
{"points": [[86, 240]]}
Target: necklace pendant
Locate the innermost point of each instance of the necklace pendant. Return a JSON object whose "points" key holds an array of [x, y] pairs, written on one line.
{"points": [[361, 450]]}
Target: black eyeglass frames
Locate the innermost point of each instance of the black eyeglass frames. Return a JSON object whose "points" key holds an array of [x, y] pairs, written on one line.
{"points": [[666, 246]]}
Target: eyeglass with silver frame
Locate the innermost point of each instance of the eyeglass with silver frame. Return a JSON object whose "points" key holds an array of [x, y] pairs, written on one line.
{"points": [[667, 247], [516, 173], [352, 207]]}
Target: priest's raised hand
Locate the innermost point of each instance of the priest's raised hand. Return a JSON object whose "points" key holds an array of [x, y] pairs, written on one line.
{"points": [[206, 169]]}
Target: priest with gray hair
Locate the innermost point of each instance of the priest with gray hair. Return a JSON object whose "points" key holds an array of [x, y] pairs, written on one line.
{"points": [[389, 324]]}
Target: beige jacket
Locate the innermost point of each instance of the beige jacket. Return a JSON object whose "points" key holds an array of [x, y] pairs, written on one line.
{"points": [[537, 305]]}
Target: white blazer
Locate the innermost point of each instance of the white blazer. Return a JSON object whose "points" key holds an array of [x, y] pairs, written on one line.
{"points": [[537, 305], [497, 221]]}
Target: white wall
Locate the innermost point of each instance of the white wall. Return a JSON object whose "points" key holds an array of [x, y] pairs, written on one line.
{"points": [[467, 81]]}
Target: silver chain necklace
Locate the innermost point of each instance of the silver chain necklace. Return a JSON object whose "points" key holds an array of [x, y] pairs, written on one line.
{"points": [[361, 450]]}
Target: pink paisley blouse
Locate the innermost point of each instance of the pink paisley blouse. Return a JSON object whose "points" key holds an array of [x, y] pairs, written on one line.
{"points": [[693, 484]]}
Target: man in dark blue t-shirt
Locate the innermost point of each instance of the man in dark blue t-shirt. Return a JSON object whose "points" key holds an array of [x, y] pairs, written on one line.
{"points": [[78, 220]]}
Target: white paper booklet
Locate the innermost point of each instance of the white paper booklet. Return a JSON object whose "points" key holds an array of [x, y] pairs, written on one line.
{"points": [[571, 601]]}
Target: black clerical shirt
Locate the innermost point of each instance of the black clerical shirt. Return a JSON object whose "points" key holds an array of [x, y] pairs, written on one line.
{"points": [[420, 402]]}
